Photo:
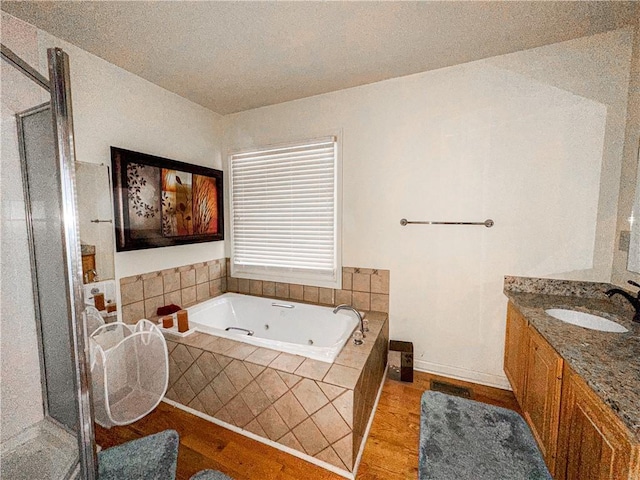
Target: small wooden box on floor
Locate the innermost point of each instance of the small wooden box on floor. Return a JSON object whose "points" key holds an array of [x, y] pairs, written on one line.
{"points": [[400, 361]]}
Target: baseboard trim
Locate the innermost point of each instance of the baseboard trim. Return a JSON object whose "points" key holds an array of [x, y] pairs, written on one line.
{"points": [[458, 373]]}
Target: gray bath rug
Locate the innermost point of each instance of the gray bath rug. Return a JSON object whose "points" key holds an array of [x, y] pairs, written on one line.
{"points": [[463, 439], [148, 458]]}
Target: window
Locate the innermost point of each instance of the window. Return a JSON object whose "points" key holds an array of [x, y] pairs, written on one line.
{"points": [[285, 213]]}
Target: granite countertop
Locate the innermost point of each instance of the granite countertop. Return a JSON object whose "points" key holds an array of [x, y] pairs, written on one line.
{"points": [[608, 362]]}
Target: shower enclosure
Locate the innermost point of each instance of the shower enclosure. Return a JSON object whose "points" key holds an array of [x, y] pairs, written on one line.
{"points": [[47, 422]]}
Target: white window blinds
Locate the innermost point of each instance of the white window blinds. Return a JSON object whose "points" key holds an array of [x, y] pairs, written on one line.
{"points": [[284, 213]]}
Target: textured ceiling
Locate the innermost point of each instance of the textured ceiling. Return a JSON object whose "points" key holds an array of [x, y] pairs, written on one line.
{"points": [[234, 56]]}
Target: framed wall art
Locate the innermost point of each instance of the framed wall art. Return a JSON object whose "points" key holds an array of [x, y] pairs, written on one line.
{"points": [[160, 202]]}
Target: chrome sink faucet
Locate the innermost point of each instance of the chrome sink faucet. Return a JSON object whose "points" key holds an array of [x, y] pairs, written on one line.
{"points": [[635, 301], [357, 340]]}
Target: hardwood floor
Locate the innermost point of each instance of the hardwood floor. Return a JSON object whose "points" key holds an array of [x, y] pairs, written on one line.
{"points": [[391, 451]]}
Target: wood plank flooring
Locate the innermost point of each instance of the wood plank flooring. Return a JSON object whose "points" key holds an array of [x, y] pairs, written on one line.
{"points": [[391, 451]]}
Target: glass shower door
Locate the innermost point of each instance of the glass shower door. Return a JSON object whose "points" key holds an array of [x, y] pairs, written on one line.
{"points": [[52, 436], [50, 294]]}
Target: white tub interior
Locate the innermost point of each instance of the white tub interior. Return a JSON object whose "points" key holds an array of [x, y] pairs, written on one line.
{"points": [[301, 329]]}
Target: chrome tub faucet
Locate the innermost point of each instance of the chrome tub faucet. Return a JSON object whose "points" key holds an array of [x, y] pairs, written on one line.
{"points": [[357, 339]]}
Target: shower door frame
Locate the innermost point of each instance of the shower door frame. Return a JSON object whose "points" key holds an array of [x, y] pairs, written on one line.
{"points": [[62, 112], [59, 88]]}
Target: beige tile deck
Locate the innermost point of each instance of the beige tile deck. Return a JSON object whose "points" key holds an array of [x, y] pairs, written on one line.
{"points": [[262, 356]]}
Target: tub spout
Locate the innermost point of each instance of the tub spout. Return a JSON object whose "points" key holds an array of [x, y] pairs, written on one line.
{"points": [[344, 306]]}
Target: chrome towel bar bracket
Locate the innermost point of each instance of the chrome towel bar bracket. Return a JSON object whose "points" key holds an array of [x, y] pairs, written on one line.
{"points": [[487, 223]]}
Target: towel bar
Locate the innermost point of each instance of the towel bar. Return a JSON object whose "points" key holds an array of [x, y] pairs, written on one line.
{"points": [[487, 223]]}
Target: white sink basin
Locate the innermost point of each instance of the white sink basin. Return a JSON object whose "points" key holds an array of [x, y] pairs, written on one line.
{"points": [[586, 320]]}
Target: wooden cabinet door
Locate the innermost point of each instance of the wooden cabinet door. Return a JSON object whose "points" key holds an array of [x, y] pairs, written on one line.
{"points": [[515, 351], [543, 389], [593, 442]]}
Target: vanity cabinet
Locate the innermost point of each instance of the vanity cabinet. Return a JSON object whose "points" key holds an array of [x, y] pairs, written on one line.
{"points": [[580, 437], [534, 370], [593, 443], [542, 392], [515, 351]]}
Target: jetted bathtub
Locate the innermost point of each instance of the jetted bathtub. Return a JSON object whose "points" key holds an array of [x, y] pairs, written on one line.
{"points": [[297, 328]]}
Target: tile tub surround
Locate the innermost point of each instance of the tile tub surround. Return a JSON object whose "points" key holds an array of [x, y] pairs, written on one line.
{"points": [[319, 409], [365, 288], [141, 295], [608, 362]]}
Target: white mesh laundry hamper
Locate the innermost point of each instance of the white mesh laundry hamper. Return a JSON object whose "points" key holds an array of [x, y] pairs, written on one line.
{"points": [[129, 371], [93, 319]]}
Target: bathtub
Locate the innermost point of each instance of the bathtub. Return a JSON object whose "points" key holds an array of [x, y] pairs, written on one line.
{"points": [[300, 329]]}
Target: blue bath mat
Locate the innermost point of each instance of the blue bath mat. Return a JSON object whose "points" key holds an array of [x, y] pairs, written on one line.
{"points": [[463, 439], [148, 458]]}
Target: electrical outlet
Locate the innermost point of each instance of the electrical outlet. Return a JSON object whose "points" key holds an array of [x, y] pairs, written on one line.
{"points": [[624, 241]]}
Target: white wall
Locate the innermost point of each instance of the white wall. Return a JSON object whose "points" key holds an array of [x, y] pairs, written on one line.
{"points": [[20, 390], [629, 177], [532, 140], [111, 107], [114, 107]]}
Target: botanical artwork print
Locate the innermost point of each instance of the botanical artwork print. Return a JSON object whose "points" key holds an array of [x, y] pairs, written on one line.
{"points": [[144, 200], [189, 204], [161, 202], [177, 205], [205, 205]]}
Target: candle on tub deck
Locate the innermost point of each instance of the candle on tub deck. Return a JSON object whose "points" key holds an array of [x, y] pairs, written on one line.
{"points": [[183, 321], [98, 301], [167, 322]]}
